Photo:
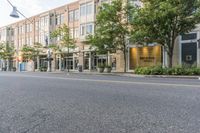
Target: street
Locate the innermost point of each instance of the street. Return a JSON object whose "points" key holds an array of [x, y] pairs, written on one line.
{"points": [[78, 103]]}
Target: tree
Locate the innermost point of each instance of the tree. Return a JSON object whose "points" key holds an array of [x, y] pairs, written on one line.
{"points": [[1, 50], [162, 21], [6, 53], [66, 40], [112, 28], [31, 52], [102, 46]]}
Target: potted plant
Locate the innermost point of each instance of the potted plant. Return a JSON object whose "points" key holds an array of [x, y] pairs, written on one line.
{"points": [[100, 68], [108, 69], [14, 69]]}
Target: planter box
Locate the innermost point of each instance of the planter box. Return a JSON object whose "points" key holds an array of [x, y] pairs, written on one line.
{"points": [[100, 70], [108, 70]]}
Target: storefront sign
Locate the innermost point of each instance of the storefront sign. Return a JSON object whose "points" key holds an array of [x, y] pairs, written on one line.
{"points": [[145, 56]]}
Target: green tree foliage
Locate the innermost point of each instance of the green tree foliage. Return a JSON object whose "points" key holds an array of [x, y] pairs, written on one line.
{"points": [[112, 28], [6, 51], [31, 52], [162, 21], [66, 40]]}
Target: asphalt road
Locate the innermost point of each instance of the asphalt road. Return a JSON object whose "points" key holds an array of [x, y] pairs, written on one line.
{"points": [[60, 103]]}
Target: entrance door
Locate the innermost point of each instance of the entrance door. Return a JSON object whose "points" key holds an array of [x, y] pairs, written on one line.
{"points": [[68, 63], [189, 53]]}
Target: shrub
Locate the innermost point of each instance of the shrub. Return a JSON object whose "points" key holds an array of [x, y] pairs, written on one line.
{"points": [[101, 66], [159, 70]]}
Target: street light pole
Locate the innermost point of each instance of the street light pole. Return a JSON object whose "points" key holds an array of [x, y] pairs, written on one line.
{"points": [[49, 60]]}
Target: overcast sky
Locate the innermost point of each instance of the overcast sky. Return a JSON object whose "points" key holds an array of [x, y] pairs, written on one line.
{"points": [[27, 7]]}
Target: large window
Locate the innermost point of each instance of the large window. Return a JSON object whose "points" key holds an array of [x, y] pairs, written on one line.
{"points": [[190, 36], [62, 18], [76, 15], [57, 19], [37, 26], [86, 9], [82, 30], [89, 28], [76, 33], [31, 25], [86, 29], [71, 16], [71, 33], [82, 10]]}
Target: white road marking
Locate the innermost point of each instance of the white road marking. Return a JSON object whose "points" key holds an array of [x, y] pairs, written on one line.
{"points": [[105, 81]]}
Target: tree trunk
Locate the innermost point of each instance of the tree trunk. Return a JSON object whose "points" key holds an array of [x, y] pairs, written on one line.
{"points": [[124, 52], [170, 56], [33, 66]]}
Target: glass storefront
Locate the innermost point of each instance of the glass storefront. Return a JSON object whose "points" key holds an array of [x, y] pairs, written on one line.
{"points": [[68, 62]]}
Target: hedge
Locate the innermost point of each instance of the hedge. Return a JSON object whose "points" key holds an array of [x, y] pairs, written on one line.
{"points": [[159, 70]]}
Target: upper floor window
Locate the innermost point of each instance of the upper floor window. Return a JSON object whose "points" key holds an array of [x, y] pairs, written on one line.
{"points": [[27, 28], [86, 9], [89, 28], [71, 16], [82, 10], [190, 36], [31, 25], [82, 30], [36, 26], [62, 18], [86, 29], [76, 14], [57, 19], [71, 33], [76, 33]]}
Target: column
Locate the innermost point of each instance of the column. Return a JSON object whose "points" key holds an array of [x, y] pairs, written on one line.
{"points": [[60, 63], [109, 58], [53, 63], [73, 61], [90, 61], [165, 58], [8, 65], [17, 65], [81, 59], [38, 63]]}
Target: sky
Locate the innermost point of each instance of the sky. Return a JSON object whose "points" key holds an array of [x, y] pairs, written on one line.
{"points": [[27, 7]]}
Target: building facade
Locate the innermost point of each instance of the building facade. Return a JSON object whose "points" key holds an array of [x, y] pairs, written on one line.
{"points": [[80, 17]]}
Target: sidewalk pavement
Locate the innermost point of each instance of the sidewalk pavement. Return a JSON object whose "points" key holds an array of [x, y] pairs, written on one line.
{"points": [[129, 74]]}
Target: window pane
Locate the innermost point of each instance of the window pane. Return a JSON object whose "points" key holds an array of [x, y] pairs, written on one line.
{"points": [[89, 28], [189, 36], [62, 19], [89, 9], [82, 29], [76, 17], [71, 16], [82, 11]]}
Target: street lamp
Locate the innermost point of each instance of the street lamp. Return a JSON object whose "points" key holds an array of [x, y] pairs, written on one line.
{"points": [[14, 13]]}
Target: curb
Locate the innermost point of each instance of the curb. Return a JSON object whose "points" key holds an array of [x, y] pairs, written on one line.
{"points": [[169, 76], [137, 76], [123, 75]]}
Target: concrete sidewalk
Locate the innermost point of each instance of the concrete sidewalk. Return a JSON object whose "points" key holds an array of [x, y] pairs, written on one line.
{"points": [[129, 74]]}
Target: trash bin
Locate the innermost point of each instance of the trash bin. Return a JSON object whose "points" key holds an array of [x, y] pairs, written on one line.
{"points": [[80, 68], [4, 69]]}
